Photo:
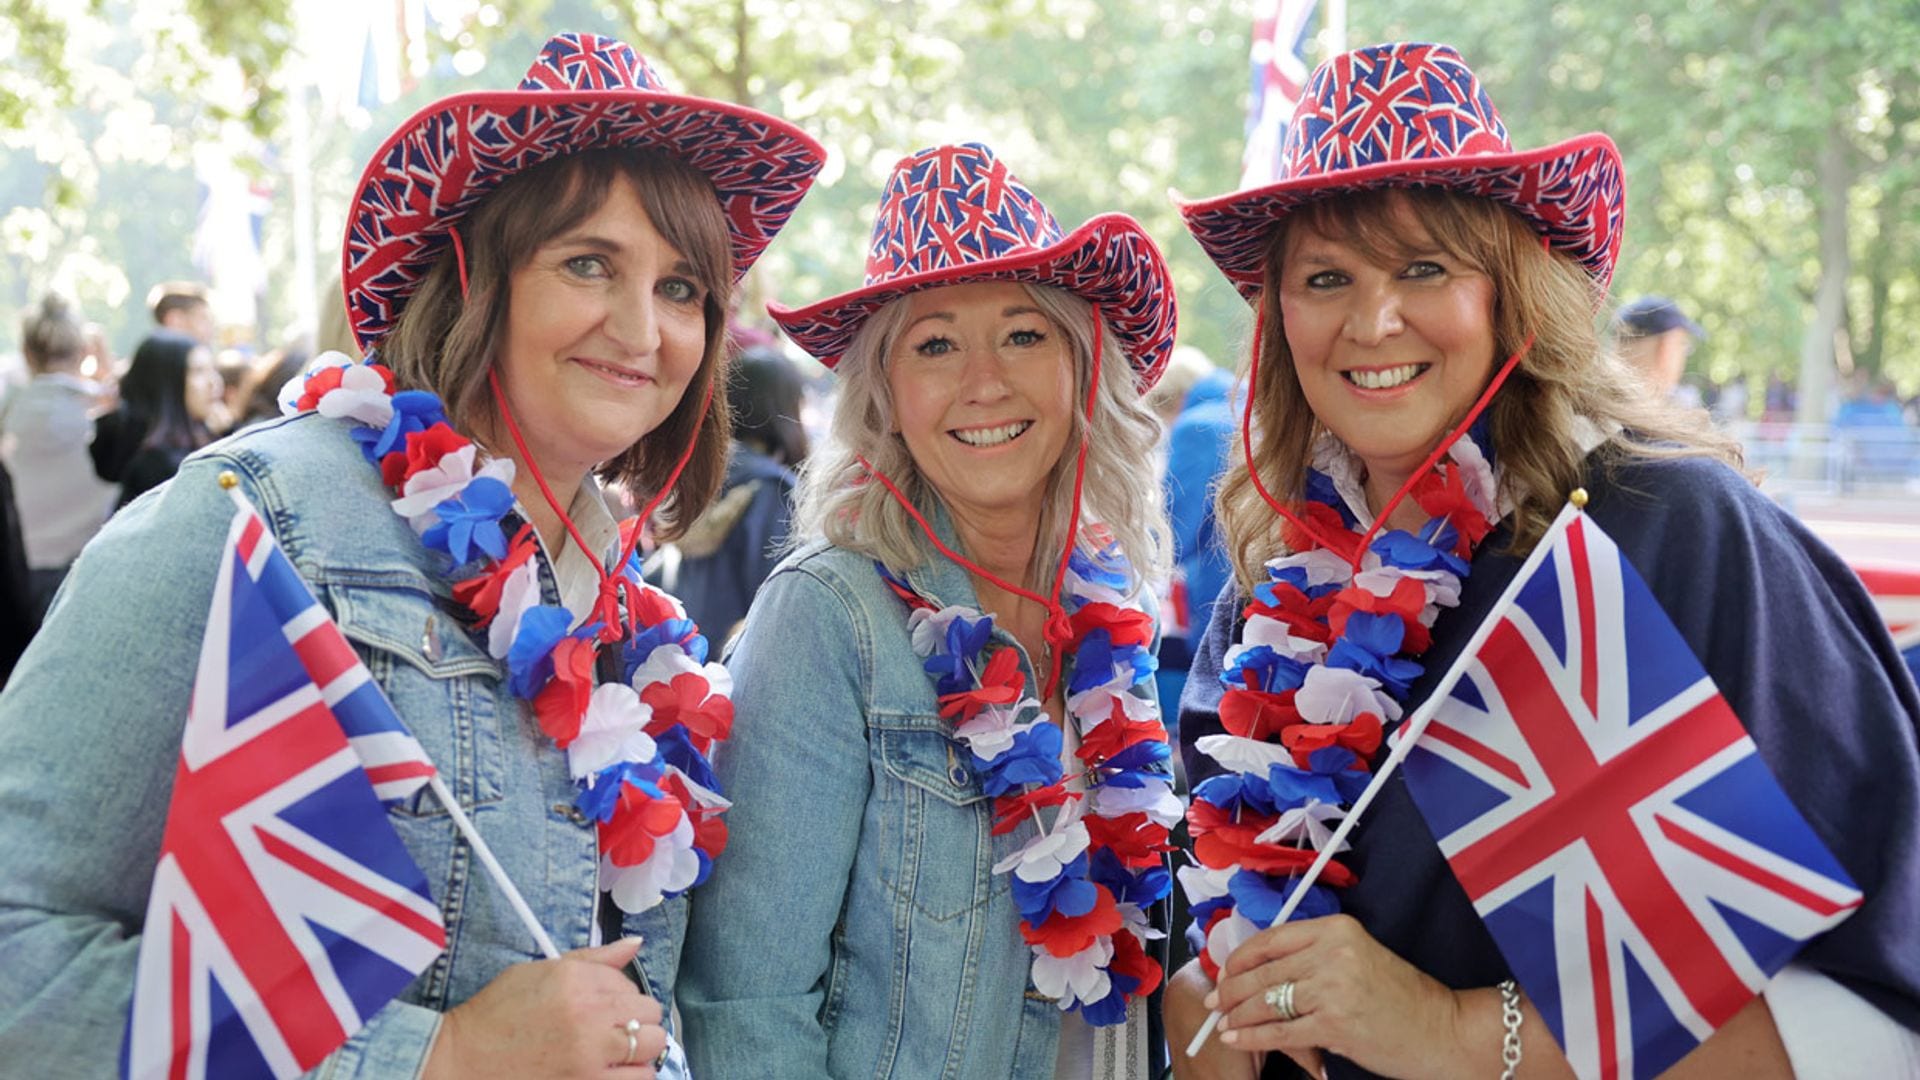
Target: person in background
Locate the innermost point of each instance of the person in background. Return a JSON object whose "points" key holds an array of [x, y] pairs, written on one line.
{"points": [[1656, 337], [46, 428], [19, 612], [182, 307], [1186, 366], [1197, 449], [165, 398], [730, 550]]}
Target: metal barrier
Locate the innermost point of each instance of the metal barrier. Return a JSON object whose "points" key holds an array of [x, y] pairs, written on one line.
{"points": [[1826, 459]]}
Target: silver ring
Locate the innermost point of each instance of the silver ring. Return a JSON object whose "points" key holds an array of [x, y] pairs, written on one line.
{"points": [[1280, 999], [660, 1061], [633, 1041]]}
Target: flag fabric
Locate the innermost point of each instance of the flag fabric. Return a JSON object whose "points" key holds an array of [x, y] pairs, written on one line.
{"points": [[1896, 592], [285, 911], [1279, 59], [1640, 868]]}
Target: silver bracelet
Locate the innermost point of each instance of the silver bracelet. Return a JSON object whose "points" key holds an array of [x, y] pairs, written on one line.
{"points": [[1510, 1019]]}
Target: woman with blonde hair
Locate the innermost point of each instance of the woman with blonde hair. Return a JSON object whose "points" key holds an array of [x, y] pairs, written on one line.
{"points": [[1428, 389], [946, 853]]}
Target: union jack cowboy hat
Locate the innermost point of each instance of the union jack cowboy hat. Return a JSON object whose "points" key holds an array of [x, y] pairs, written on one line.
{"points": [[582, 93], [953, 214], [1414, 115]]}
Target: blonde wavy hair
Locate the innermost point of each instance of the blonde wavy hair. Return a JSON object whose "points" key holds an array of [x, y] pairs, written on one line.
{"points": [[1569, 374], [839, 501]]}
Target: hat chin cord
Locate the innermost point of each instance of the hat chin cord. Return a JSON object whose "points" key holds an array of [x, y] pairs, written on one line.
{"points": [[1059, 627]]}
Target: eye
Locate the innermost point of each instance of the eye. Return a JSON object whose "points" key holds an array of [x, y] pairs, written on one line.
{"points": [[937, 345], [1326, 279], [1026, 339], [587, 266], [680, 290], [1423, 268]]}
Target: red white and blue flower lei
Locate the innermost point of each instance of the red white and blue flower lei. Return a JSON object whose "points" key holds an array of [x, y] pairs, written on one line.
{"points": [[637, 749], [1084, 884], [1321, 666]]}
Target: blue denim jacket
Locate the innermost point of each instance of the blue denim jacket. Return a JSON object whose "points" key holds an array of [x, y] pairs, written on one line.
{"points": [[90, 733], [855, 926]]}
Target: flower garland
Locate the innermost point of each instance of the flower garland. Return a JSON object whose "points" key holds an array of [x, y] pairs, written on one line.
{"points": [[637, 749], [1320, 667], [1090, 876]]}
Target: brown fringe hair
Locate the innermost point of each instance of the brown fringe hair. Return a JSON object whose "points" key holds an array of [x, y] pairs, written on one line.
{"points": [[1568, 375], [444, 344]]}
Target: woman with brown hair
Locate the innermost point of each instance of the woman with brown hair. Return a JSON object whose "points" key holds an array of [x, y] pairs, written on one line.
{"points": [[1428, 390], [541, 277]]}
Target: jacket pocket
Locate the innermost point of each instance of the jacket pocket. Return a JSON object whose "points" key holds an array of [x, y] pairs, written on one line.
{"points": [[936, 824], [444, 687]]}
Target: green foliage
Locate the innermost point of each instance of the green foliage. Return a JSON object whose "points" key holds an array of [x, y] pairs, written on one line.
{"points": [[256, 35]]}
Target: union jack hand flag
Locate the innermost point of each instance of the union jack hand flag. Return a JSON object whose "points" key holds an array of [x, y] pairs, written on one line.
{"points": [[1642, 871], [285, 911]]}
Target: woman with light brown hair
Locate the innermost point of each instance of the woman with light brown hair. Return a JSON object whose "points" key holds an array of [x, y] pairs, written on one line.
{"points": [[1428, 390]]}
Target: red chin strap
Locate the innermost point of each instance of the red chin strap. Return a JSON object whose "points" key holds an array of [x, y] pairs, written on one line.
{"points": [[613, 585], [1059, 628], [459, 259], [1379, 522]]}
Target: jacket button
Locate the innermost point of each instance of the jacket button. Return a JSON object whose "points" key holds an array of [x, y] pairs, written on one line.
{"points": [[958, 774]]}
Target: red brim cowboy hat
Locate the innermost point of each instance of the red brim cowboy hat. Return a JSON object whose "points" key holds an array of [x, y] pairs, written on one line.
{"points": [[953, 215], [583, 92], [1414, 115]]}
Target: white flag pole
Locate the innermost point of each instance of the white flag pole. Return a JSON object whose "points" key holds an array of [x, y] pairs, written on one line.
{"points": [[231, 483], [1411, 732]]}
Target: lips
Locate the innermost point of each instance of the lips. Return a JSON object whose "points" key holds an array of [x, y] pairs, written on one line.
{"points": [[614, 373], [987, 437], [1385, 378]]}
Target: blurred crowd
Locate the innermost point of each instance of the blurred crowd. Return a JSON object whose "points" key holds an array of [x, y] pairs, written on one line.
{"points": [[83, 431]]}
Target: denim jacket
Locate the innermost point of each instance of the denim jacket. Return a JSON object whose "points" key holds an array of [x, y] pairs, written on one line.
{"points": [[90, 729], [855, 926]]}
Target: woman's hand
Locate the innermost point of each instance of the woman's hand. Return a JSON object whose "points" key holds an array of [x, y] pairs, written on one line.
{"points": [[1185, 1010], [552, 1018], [1353, 997]]}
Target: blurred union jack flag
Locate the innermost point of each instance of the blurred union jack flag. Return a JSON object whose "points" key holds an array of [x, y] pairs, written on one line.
{"points": [[285, 911], [1640, 868], [1279, 62]]}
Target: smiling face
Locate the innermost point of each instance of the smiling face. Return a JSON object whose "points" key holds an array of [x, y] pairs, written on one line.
{"points": [[982, 385], [605, 330], [1391, 350]]}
